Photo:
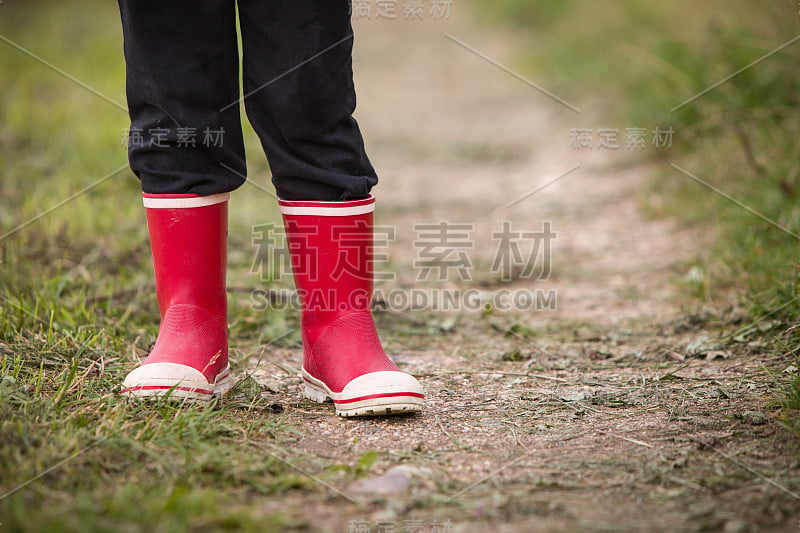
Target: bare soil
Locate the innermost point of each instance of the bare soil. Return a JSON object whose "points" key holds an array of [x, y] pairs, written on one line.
{"points": [[608, 412]]}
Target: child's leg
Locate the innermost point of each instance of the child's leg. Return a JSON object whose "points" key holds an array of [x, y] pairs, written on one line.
{"points": [[299, 96], [182, 70]]}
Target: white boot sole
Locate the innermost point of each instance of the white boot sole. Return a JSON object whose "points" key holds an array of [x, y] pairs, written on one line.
{"points": [[377, 393], [174, 382]]}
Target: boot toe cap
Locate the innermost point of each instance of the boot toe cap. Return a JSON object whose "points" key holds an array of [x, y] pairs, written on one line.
{"points": [[167, 379], [375, 393], [380, 393], [384, 382]]}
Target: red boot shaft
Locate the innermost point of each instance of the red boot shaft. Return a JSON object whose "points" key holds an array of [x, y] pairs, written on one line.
{"points": [[188, 238], [331, 246]]}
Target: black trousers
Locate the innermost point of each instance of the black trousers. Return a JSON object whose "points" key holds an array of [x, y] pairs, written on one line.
{"points": [[183, 95]]}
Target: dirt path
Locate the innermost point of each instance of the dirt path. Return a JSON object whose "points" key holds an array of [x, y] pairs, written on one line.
{"points": [[600, 414]]}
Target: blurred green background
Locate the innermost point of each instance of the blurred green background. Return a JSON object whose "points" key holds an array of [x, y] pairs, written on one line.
{"points": [[643, 62]]}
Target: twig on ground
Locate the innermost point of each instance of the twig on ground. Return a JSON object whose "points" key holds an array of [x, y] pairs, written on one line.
{"points": [[454, 440], [634, 441]]}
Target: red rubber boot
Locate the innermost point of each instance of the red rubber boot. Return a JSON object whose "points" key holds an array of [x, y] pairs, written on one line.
{"points": [[331, 248], [188, 238]]}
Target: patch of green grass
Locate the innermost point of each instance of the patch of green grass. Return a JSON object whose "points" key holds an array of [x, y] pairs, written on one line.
{"points": [[86, 459], [362, 467], [789, 402]]}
